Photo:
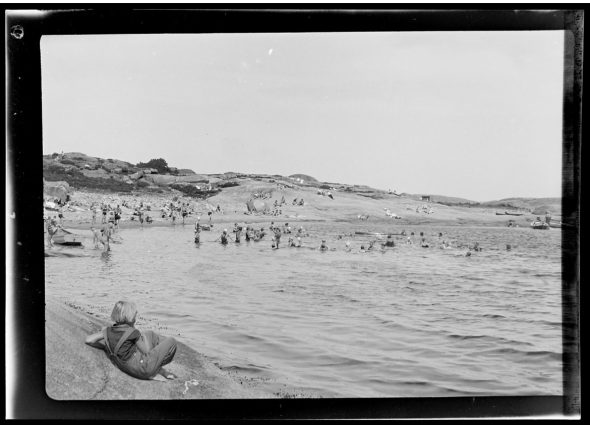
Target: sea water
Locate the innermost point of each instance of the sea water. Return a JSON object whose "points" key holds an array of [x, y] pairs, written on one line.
{"points": [[403, 322]]}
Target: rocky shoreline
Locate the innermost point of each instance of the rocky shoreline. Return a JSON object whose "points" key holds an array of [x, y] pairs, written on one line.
{"points": [[75, 371]]}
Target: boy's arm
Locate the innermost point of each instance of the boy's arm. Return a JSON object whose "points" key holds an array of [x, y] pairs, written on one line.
{"points": [[96, 340]]}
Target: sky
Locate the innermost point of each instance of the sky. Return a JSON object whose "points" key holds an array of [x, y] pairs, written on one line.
{"points": [[476, 115]]}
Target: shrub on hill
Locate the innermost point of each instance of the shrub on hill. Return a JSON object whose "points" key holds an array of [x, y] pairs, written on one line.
{"points": [[228, 184], [159, 164], [193, 192], [78, 180], [304, 177]]}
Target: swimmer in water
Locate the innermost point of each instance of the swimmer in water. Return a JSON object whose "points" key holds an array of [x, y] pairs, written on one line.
{"points": [[347, 247], [323, 246], [238, 234], [224, 237], [423, 243], [389, 242]]}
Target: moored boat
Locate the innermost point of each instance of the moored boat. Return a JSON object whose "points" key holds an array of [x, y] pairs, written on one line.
{"points": [[63, 237], [539, 225]]}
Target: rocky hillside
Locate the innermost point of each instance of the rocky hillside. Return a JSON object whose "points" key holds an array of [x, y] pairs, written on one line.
{"points": [[81, 171]]}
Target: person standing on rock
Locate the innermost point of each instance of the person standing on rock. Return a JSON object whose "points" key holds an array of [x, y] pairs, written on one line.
{"points": [[139, 354]]}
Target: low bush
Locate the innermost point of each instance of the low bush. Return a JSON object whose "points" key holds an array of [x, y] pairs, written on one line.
{"points": [[193, 192], [78, 180], [228, 184]]}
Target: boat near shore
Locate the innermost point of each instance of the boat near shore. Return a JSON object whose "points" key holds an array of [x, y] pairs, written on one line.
{"points": [[509, 213], [539, 225], [378, 234], [63, 237]]}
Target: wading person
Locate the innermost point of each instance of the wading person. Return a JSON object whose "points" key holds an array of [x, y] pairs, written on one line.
{"points": [[139, 354], [277, 238], [52, 228], [224, 237]]}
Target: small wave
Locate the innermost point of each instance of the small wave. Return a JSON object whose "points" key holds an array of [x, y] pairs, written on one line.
{"points": [[488, 337], [465, 337], [422, 383], [242, 369], [550, 354], [493, 316], [345, 362]]}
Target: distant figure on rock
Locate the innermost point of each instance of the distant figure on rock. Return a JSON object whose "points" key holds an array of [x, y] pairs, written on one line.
{"points": [[139, 354]]}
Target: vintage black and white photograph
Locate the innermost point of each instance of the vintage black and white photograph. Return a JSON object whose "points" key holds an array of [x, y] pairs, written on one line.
{"points": [[269, 215]]}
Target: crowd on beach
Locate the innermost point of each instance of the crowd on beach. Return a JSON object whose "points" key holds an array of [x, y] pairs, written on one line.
{"points": [[108, 212]]}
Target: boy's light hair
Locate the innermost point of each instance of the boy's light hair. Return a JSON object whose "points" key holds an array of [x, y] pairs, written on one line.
{"points": [[124, 312]]}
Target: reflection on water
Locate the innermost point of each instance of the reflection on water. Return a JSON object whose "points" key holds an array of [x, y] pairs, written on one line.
{"points": [[408, 321]]}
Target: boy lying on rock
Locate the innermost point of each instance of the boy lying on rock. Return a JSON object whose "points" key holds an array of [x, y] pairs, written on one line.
{"points": [[139, 354]]}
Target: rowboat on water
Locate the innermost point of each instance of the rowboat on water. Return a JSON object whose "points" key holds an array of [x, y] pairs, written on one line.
{"points": [[509, 213], [63, 237], [539, 225], [378, 234]]}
